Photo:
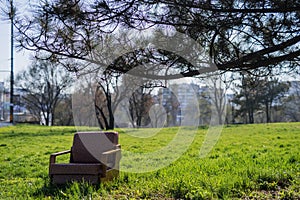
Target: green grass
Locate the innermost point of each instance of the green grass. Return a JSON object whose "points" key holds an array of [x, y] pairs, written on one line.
{"points": [[248, 162]]}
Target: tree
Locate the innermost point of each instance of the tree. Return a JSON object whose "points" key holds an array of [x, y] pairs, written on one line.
{"points": [[238, 35], [204, 107], [111, 89], [292, 102], [158, 116], [63, 111], [83, 102], [258, 93], [218, 85], [44, 83], [273, 91], [139, 106], [248, 97], [169, 101], [106, 101]]}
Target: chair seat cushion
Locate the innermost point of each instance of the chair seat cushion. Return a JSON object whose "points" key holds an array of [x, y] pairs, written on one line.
{"points": [[75, 168]]}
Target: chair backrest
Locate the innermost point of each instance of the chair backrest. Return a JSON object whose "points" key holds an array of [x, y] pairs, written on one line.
{"points": [[88, 146]]}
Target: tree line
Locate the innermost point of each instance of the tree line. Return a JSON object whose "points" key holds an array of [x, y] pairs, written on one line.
{"points": [[247, 99]]}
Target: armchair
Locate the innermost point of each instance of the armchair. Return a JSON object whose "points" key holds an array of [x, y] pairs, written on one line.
{"points": [[94, 157]]}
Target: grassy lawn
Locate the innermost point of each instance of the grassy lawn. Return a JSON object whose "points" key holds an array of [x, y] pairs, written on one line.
{"points": [[248, 162]]}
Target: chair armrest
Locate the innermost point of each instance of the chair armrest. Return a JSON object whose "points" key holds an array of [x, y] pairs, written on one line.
{"points": [[111, 151], [53, 156], [111, 158]]}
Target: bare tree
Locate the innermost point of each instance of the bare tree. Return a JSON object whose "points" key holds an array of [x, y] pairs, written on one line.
{"points": [[63, 111], [83, 102], [139, 106], [218, 85], [158, 116], [108, 97], [43, 83]]}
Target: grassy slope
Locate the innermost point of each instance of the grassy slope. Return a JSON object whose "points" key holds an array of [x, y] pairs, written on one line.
{"points": [[249, 161]]}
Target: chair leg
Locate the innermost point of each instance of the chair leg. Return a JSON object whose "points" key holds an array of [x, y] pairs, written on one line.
{"points": [[110, 175]]}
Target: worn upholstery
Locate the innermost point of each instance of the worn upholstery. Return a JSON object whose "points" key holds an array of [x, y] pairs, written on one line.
{"points": [[94, 157]]}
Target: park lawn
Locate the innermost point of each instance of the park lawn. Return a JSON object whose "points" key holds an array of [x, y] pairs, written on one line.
{"points": [[259, 161]]}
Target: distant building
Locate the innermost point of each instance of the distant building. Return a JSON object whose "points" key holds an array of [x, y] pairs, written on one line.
{"points": [[21, 114], [168, 99], [178, 101], [294, 88], [4, 102], [1, 101]]}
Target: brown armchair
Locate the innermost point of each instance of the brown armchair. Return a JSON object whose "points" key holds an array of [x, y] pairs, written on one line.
{"points": [[94, 157]]}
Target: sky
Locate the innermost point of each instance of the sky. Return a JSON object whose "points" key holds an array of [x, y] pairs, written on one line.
{"points": [[21, 58]]}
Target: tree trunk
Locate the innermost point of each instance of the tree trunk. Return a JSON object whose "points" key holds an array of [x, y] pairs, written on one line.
{"points": [[251, 115], [111, 119], [267, 112]]}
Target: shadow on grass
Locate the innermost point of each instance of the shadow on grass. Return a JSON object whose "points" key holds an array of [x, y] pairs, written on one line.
{"points": [[43, 133], [72, 190]]}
